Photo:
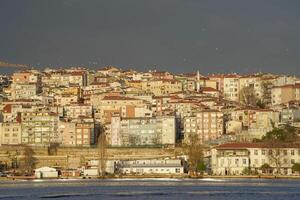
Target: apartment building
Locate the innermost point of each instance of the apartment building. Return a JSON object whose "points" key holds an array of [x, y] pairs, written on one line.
{"points": [[85, 132], [207, 125], [231, 87], [63, 100], [290, 115], [255, 118], [39, 128], [162, 87], [159, 130], [67, 131], [285, 93], [10, 133], [25, 85], [78, 110], [65, 78], [108, 105]]}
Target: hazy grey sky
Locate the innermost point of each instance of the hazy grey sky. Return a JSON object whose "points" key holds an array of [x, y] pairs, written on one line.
{"points": [[175, 35]]}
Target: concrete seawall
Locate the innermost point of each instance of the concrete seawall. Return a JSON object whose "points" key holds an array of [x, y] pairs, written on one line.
{"points": [[75, 157]]}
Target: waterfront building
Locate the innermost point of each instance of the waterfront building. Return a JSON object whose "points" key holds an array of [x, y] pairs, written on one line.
{"points": [[154, 166], [240, 158]]}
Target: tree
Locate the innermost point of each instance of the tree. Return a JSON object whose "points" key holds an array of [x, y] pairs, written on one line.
{"points": [[247, 171], [260, 104], [102, 146], [29, 161], [266, 92], [274, 141], [52, 149], [266, 168], [194, 150], [247, 96], [201, 167], [296, 167], [286, 134]]}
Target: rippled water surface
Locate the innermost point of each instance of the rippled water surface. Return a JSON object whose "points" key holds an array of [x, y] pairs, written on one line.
{"points": [[237, 189]]}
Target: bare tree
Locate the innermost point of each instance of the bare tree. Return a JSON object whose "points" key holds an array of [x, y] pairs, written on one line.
{"points": [[266, 91], [194, 150], [247, 96], [52, 149], [102, 146], [29, 161]]}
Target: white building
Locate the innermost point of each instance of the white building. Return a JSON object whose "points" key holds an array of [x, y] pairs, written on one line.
{"points": [[236, 158], [46, 172], [156, 166], [159, 130]]}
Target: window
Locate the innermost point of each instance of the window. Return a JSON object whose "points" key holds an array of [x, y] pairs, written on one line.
{"points": [[263, 152], [256, 152], [236, 161], [292, 152], [244, 161]]}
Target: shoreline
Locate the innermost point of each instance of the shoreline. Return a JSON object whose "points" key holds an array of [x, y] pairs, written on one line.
{"points": [[137, 177]]}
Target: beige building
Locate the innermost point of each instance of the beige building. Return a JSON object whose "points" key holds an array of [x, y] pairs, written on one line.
{"points": [[63, 100], [162, 87], [255, 118], [206, 124], [67, 131], [106, 106], [25, 85], [78, 110], [24, 91], [285, 94], [231, 87], [10, 133]]}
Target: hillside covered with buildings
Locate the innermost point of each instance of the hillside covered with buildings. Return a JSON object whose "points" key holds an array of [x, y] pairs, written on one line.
{"points": [[241, 124]]}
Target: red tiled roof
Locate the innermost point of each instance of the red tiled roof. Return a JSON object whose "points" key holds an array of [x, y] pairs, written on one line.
{"points": [[208, 89], [239, 145], [118, 98], [7, 108], [256, 145]]}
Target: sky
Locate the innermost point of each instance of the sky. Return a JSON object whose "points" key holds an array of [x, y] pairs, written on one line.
{"points": [[212, 36]]}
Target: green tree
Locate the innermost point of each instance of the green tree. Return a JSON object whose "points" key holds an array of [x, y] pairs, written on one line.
{"points": [[285, 134], [246, 171], [201, 167], [296, 167]]}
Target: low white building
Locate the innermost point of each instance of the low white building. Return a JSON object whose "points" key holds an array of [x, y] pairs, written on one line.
{"points": [[46, 172], [155, 166], [92, 168]]}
